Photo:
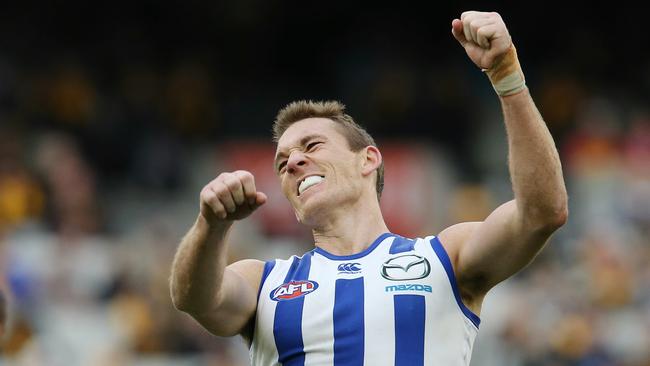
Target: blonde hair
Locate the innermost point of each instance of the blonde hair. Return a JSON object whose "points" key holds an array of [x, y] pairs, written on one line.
{"points": [[356, 136]]}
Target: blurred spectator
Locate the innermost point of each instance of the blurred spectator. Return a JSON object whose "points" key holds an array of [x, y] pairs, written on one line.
{"points": [[3, 317], [71, 184], [21, 195]]}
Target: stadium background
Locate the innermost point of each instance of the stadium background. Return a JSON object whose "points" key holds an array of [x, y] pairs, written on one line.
{"points": [[114, 115]]}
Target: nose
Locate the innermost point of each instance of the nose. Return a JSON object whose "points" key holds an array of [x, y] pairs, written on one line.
{"points": [[296, 161]]}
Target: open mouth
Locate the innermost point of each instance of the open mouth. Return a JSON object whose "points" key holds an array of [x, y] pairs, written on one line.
{"points": [[308, 182]]}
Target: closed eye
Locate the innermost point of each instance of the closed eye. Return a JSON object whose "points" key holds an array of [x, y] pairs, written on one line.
{"points": [[312, 145], [281, 166]]}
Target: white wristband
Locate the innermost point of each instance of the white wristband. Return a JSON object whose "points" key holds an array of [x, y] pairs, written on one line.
{"points": [[510, 84], [506, 75]]}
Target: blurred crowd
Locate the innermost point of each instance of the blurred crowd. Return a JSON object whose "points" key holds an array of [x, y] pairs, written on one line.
{"points": [[102, 159]]}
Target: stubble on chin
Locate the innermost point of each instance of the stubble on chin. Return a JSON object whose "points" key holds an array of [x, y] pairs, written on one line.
{"points": [[310, 214]]}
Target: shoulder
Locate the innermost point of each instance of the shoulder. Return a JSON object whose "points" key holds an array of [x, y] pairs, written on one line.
{"points": [[454, 237], [247, 265], [250, 270], [255, 271]]}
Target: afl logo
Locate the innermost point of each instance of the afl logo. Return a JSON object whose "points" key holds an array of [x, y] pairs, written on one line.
{"points": [[293, 290]]}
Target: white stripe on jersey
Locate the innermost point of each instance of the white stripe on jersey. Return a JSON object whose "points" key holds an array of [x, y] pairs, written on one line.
{"points": [[263, 350], [319, 341], [380, 307]]}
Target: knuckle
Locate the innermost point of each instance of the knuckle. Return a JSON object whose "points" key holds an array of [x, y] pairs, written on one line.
{"points": [[206, 194], [223, 194], [242, 173], [233, 185], [244, 176], [226, 180], [204, 191], [210, 200], [215, 205], [221, 191], [223, 176]]}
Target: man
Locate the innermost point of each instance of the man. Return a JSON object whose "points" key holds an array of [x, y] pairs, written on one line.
{"points": [[365, 296]]}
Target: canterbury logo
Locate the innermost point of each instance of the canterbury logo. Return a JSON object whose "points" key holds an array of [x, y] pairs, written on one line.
{"points": [[405, 267], [349, 268]]}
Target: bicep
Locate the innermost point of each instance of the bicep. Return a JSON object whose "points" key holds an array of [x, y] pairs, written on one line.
{"points": [[237, 300], [493, 250]]}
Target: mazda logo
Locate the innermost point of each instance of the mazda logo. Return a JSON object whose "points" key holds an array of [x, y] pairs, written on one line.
{"points": [[405, 267]]}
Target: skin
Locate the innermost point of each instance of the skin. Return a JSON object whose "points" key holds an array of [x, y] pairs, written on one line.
{"points": [[343, 212]]}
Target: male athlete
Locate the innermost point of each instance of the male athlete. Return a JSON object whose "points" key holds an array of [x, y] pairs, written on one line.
{"points": [[365, 296]]}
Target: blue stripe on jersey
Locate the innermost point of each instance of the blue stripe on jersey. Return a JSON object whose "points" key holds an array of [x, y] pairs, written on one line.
{"points": [[446, 262], [268, 267], [401, 244], [287, 325], [348, 322], [409, 330]]}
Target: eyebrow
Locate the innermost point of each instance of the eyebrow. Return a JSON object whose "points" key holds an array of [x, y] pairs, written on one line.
{"points": [[303, 141]]}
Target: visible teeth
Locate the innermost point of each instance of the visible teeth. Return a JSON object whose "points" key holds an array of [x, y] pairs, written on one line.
{"points": [[308, 182]]}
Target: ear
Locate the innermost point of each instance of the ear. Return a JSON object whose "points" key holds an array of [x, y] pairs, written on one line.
{"points": [[371, 160]]}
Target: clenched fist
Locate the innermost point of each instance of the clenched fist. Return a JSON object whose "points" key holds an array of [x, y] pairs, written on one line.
{"points": [[230, 196], [488, 44], [483, 35]]}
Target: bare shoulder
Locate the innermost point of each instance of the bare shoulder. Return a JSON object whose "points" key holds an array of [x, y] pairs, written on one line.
{"points": [[249, 270], [453, 238]]}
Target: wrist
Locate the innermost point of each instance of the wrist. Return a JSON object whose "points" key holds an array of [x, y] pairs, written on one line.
{"points": [[506, 75], [214, 225]]}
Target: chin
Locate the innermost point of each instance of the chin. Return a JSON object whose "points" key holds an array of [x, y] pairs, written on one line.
{"points": [[313, 211]]}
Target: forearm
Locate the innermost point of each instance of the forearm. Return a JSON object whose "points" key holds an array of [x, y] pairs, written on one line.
{"points": [[534, 163], [198, 267]]}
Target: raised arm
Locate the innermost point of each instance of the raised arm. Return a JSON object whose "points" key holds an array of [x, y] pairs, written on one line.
{"points": [[222, 298], [488, 252]]}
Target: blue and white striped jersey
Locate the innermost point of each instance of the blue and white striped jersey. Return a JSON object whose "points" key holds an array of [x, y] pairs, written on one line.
{"points": [[395, 303]]}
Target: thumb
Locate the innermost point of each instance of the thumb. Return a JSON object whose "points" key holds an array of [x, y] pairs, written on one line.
{"points": [[260, 199], [457, 31]]}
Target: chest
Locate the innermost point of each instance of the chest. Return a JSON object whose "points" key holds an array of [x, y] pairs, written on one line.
{"points": [[395, 301], [350, 302]]}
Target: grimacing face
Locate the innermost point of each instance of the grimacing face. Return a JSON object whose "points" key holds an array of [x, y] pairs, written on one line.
{"points": [[317, 170]]}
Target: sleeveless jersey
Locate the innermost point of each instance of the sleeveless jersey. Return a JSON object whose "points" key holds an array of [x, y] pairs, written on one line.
{"points": [[395, 303]]}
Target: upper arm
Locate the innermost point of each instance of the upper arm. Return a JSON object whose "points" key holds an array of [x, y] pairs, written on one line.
{"points": [[237, 300], [486, 253]]}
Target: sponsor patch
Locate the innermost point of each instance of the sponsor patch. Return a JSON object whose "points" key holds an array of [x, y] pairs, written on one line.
{"points": [[293, 290], [349, 268], [410, 287], [405, 267]]}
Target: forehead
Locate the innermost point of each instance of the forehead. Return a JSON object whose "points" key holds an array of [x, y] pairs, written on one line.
{"points": [[293, 135]]}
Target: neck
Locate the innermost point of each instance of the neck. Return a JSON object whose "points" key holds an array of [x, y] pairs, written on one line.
{"points": [[351, 230]]}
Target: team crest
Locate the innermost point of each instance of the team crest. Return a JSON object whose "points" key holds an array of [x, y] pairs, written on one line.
{"points": [[293, 290]]}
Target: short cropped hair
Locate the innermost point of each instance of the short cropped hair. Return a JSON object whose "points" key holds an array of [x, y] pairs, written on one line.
{"points": [[356, 136]]}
